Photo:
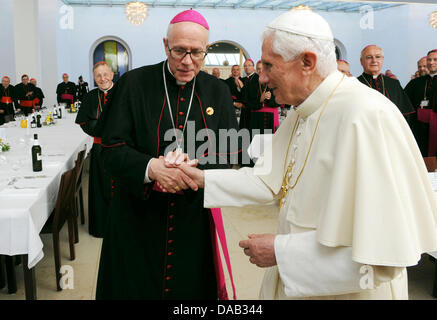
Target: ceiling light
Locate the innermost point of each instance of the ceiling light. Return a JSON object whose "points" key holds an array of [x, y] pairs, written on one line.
{"points": [[136, 12]]}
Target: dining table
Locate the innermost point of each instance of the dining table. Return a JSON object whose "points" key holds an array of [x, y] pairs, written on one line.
{"points": [[28, 198]]}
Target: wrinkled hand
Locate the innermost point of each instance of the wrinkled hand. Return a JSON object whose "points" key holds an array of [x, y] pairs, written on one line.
{"points": [[176, 159], [238, 105], [261, 250], [268, 95], [169, 179]]}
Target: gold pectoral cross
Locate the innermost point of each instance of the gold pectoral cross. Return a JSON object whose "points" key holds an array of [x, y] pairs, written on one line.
{"points": [[285, 187]]}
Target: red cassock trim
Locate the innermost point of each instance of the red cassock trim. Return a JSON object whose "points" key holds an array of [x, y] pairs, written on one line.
{"points": [[113, 145], [6, 100], [26, 103]]}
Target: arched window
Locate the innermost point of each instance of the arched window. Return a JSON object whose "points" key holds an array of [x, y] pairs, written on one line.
{"points": [[340, 50], [223, 55], [115, 52]]}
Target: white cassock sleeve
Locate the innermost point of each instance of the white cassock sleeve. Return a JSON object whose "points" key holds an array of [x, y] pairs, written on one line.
{"points": [[309, 269], [235, 188]]}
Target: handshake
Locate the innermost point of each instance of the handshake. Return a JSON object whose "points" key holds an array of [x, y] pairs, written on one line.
{"points": [[176, 172]]}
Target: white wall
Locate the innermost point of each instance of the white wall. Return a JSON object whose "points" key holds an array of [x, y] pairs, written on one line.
{"points": [[47, 12], [7, 52], [26, 30]]}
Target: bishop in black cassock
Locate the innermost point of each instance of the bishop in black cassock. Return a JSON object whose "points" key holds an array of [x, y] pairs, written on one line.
{"points": [[392, 89], [39, 96], [90, 118], [66, 91], [251, 98], [7, 100], [422, 92], [158, 245], [25, 93]]}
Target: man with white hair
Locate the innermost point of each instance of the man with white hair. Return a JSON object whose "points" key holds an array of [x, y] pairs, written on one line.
{"points": [[159, 241], [372, 59], [90, 118], [356, 206], [7, 100], [421, 67]]}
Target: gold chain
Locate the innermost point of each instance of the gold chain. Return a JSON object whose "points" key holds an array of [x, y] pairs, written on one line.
{"points": [[383, 85], [285, 181]]}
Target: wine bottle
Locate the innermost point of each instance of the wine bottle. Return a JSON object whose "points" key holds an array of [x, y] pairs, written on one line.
{"points": [[55, 112], [33, 122], [38, 119], [36, 154], [60, 112]]}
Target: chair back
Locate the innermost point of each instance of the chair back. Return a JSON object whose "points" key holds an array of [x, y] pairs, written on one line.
{"points": [[65, 202], [431, 163], [79, 168]]}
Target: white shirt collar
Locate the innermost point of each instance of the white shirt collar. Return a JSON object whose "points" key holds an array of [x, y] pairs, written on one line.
{"points": [[179, 83]]}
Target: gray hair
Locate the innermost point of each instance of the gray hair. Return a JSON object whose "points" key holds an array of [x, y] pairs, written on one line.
{"points": [[289, 46]]}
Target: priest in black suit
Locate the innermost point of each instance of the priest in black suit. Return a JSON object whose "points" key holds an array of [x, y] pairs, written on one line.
{"points": [[90, 118], [372, 58], [423, 95], [66, 91], [159, 240], [39, 95], [25, 94], [251, 94], [235, 84], [7, 100]]}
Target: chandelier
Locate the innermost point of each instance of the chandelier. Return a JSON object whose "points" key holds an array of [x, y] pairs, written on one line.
{"points": [[302, 7], [136, 12], [433, 19]]}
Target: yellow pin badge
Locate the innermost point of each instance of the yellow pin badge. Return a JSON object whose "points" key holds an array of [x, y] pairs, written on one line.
{"points": [[210, 111]]}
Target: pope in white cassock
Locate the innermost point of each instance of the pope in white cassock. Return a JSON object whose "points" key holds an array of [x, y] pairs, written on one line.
{"points": [[355, 202]]}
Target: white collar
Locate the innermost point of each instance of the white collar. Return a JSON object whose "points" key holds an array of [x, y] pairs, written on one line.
{"points": [[432, 74], [179, 83], [105, 91]]}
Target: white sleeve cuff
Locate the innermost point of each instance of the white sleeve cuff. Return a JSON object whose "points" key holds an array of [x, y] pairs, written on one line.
{"points": [[146, 176], [309, 269]]}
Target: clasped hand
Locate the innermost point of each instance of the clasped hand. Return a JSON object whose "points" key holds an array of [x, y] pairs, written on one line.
{"points": [[176, 172]]}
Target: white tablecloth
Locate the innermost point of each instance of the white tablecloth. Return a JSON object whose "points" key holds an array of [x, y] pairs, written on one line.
{"points": [[27, 198]]}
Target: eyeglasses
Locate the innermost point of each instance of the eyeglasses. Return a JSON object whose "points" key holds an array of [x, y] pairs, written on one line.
{"points": [[180, 53], [377, 57]]}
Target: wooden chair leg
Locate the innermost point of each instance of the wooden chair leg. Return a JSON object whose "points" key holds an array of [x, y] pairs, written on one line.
{"points": [[71, 237], [76, 226], [82, 211], [2, 273], [57, 254], [434, 292], [10, 274]]}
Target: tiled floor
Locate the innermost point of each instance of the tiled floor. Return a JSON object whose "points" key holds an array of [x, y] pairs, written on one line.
{"points": [[238, 224]]}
